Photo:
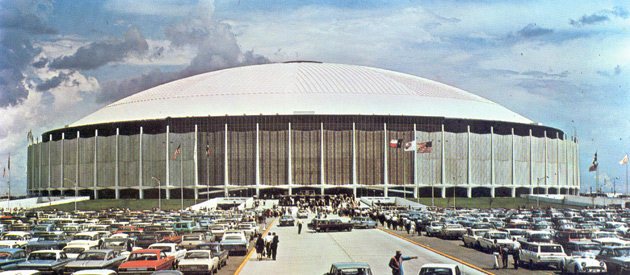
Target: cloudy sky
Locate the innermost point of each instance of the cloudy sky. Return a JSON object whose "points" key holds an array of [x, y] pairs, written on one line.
{"points": [[565, 64]]}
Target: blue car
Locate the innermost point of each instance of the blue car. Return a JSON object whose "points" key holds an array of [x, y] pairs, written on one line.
{"points": [[46, 261], [11, 257]]}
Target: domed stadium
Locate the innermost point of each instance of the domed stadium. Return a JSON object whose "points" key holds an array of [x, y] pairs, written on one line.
{"points": [[303, 128]]}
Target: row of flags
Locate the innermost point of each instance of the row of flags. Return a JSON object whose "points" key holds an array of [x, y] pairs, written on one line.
{"points": [[179, 151], [595, 163], [418, 147]]}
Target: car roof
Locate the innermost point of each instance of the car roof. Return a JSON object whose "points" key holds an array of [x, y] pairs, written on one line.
{"points": [[439, 265], [343, 265]]}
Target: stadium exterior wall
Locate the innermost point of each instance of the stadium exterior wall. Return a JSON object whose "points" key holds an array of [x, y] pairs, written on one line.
{"points": [[232, 156]]}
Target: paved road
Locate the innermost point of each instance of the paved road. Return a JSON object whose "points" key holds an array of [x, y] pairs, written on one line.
{"points": [[313, 253]]}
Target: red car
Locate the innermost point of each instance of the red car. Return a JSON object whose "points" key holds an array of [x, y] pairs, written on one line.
{"points": [[146, 261]]}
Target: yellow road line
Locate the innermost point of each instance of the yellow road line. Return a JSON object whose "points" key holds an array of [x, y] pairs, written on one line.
{"points": [[253, 250], [438, 252]]}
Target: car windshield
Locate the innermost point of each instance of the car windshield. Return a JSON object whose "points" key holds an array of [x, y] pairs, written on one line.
{"points": [[551, 248], [232, 237], [589, 246], [622, 251], [146, 237], [47, 238], [191, 238], [496, 236], [163, 248], [605, 235], [353, 271], [82, 237], [73, 249], [12, 237], [142, 257], [91, 256], [480, 233], [5, 255], [42, 256], [216, 227], [197, 255], [243, 226], [435, 271]]}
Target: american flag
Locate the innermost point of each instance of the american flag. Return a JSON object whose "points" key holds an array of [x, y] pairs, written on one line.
{"points": [[424, 147]]}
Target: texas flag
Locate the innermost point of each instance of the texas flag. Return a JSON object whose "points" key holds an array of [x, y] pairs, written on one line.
{"points": [[395, 143]]}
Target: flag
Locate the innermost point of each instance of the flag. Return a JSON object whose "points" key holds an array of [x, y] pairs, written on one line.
{"points": [[424, 147], [410, 146], [177, 152], [594, 166], [4, 171], [395, 143], [207, 149], [624, 160]]}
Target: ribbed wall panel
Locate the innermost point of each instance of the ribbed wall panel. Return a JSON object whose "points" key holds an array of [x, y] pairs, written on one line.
{"points": [[369, 149], [306, 153], [212, 166], [55, 162], [399, 162], [481, 166], [69, 163], [242, 154], [45, 165], [86, 162], [552, 160], [187, 142], [456, 161], [153, 159], [274, 154], [429, 165], [571, 162], [338, 153], [562, 165], [521, 161], [502, 160], [106, 161], [538, 148]]}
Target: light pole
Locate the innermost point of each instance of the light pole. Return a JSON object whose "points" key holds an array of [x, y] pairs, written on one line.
{"points": [[159, 192], [75, 193], [538, 194]]}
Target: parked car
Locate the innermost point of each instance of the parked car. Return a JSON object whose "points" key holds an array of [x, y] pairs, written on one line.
{"points": [[146, 261], [542, 254], [327, 225], [217, 250], [432, 269], [617, 259], [199, 262], [286, 220], [95, 272], [218, 230], [49, 261], [73, 251], [170, 249], [433, 229], [145, 240], [493, 239], [91, 238], [11, 257], [349, 268], [190, 241], [471, 238], [452, 231], [95, 259], [582, 247], [120, 244], [302, 214], [584, 263], [235, 243], [362, 222], [47, 242]]}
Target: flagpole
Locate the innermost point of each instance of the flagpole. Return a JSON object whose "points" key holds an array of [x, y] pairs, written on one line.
{"points": [[626, 175], [9, 183], [181, 178]]}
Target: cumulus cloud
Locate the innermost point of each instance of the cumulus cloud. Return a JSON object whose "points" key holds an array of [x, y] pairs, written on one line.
{"points": [[531, 30], [589, 20], [103, 52]]}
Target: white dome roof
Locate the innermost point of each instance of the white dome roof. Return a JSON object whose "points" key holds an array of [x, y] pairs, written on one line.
{"points": [[301, 88]]}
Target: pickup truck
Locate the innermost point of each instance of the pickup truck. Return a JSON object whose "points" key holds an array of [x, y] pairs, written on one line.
{"points": [[471, 238], [146, 261], [493, 239], [217, 250], [190, 241], [332, 225], [452, 231], [169, 236], [199, 262], [170, 249]]}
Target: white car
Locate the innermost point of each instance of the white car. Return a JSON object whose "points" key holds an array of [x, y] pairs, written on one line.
{"points": [[584, 263], [73, 251], [199, 261], [446, 269], [170, 249], [542, 254], [90, 238]]}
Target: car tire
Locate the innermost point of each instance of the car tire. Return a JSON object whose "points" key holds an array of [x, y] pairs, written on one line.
{"points": [[532, 266]]}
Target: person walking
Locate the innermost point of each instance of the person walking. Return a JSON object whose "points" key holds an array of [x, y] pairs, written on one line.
{"points": [[274, 246], [260, 247], [396, 263], [505, 254], [516, 247], [299, 227]]}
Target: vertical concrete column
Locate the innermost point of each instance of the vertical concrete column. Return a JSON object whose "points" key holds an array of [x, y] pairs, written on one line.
{"points": [[513, 192], [385, 166], [116, 168], [289, 165], [257, 162], [492, 191], [95, 164], [168, 168], [140, 183], [443, 191], [566, 161], [415, 167], [469, 192], [39, 171], [443, 161], [63, 140], [354, 159], [321, 148], [226, 170], [76, 167], [513, 160], [546, 174], [531, 159], [469, 162], [492, 171], [576, 165], [196, 162], [558, 161], [50, 138]]}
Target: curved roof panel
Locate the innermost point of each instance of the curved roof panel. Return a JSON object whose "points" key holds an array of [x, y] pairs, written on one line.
{"points": [[301, 88]]}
